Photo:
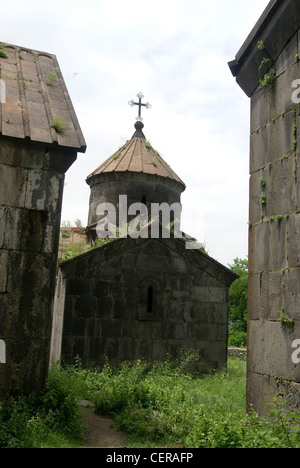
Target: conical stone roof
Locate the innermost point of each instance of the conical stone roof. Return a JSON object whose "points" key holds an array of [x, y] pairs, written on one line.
{"points": [[137, 155]]}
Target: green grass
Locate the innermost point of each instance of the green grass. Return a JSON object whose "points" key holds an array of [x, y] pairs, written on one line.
{"points": [[59, 125], [52, 78], [156, 404]]}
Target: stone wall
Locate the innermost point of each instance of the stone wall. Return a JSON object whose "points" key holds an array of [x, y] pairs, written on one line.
{"points": [[237, 352], [103, 299], [266, 68], [274, 277], [31, 187]]}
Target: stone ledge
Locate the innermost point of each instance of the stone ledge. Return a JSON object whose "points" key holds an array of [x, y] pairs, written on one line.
{"points": [[237, 352]]}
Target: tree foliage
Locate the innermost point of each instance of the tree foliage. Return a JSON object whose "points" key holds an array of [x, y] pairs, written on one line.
{"points": [[238, 295]]}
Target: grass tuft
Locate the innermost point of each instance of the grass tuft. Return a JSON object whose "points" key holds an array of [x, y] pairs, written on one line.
{"points": [[58, 124]]}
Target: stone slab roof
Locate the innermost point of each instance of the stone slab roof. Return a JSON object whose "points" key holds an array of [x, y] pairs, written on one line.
{"points": [[101, 254], [274, 29], [137, 155], [35, 95]]}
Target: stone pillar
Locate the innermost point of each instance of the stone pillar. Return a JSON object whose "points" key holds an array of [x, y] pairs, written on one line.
{"points": [[266, 68], [31, 189]]}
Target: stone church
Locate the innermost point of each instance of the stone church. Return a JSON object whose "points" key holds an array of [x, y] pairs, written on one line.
{"points": [[140, 296]]}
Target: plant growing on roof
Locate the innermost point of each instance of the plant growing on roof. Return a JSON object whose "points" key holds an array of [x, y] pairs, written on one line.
{"points": [[58, 124], [52, 78], [2, 52]]}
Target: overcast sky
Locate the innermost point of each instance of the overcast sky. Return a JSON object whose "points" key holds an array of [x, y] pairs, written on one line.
{"points": [[175, 52]]}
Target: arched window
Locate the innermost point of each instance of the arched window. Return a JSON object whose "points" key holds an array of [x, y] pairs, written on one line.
{"points": [[150, 300]]}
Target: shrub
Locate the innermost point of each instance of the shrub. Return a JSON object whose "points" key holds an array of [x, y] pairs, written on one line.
{"points": [[59, 402], [50, 419], [238, 295]]}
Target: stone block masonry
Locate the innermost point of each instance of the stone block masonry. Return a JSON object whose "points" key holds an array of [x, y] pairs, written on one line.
{"points": [[266, 67], [31, 187], [34, 156], [102, 305]]}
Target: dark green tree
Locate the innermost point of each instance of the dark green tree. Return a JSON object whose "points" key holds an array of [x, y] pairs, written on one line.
{"points": [[238, 295]]}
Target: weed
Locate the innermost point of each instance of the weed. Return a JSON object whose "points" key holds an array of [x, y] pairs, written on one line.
{"points": [[264, 61], [269, 79], [158, 404], [52, 78], [3, 54], [285, 320], [50, 419], [159, 157], [59, 125], [295, 130], [72, 250], [263, 199], [277, 218]]}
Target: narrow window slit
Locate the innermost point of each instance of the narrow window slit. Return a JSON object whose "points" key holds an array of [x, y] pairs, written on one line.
{"points": [[150, 300]]}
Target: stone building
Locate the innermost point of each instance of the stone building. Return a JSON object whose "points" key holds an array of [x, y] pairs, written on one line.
{"points": [[35, 153], [267, 68], [138, 296]]}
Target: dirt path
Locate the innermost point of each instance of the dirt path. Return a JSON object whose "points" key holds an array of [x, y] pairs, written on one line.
{"points": [[101, 433]]}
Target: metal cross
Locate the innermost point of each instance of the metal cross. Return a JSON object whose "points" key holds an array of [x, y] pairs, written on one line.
{"points": [[132, 104]]}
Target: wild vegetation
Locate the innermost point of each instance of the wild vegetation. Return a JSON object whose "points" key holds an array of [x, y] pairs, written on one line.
{"points": [[59, 125], [238, 295], [156, 404]]}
